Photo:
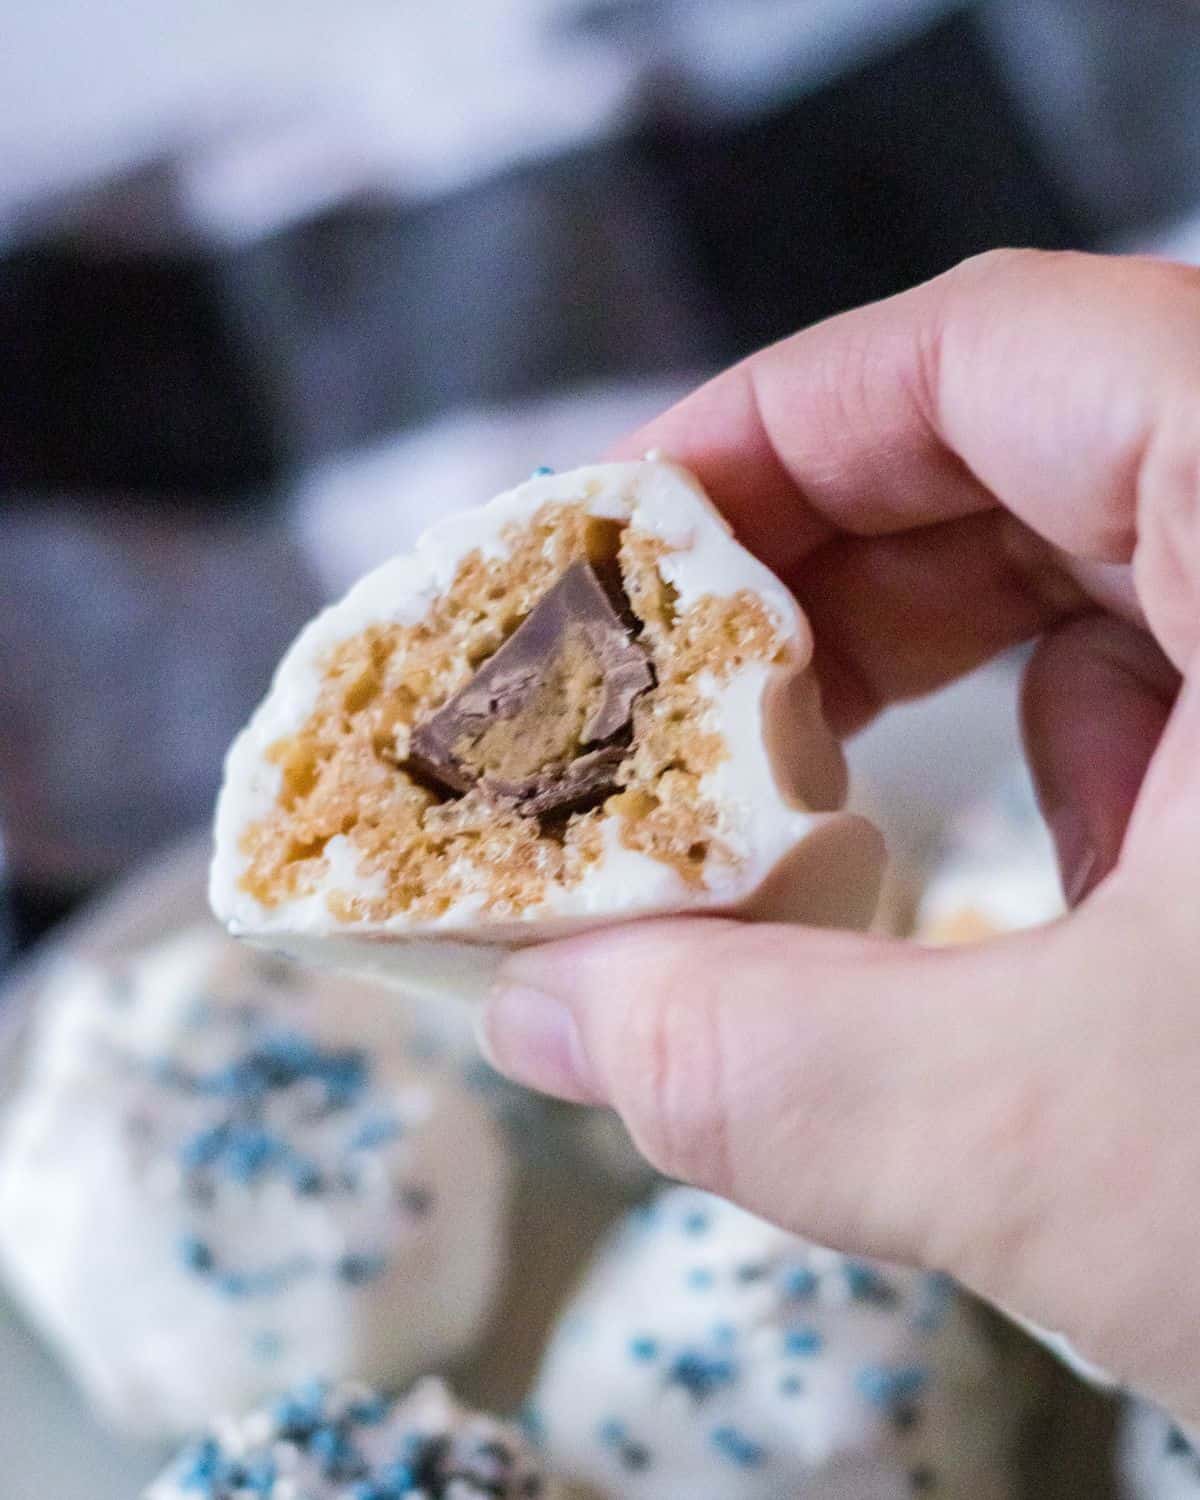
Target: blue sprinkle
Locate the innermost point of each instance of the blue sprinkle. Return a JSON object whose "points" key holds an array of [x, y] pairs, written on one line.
{"points": [[376, 1132], [800, 1284], [868, 1285], [399, 1478], [700, 1278], [266, 1345], [200, 1465], [738, 1448], [369, 1411], [724, 1334], [356, 1269], [611, 1431], [803, 1341], [696, 1222], [396, 1481], [344, 1076], [700, 1374], [262, 1283], [937, 1289], [542, 470], [531, 1422], [258, 1476], [791, 1385], [306, 1176], [196, 1254], [886, 1387], [299, 1413], [204, 1148], [334, 1452], [635, 1456], [643, 1348], [250, 1151]]}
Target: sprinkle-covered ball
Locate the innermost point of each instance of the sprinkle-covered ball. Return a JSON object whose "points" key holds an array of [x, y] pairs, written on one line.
{"points": [[708, 1353], [346, 1442], [220, 1176], [1158, 1459]]}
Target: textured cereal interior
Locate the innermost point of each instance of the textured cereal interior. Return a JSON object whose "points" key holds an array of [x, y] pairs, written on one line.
{"points": [[342, 772]]}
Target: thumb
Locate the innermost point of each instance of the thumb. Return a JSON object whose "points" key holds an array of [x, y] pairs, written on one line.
{"points": [[874, 1095]]}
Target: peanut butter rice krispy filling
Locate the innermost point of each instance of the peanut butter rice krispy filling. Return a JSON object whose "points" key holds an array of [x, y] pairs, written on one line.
{"points": [[450, 779], [581, 703]]}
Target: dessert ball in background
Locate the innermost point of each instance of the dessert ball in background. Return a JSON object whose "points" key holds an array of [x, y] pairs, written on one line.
{"points": [[997, 870], [348, 1442], [1157, 1459], [708, 1353], [219, 1175]]}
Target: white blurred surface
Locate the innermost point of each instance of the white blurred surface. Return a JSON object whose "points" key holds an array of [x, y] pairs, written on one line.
{"points": [[356, 511], [421, 96]]}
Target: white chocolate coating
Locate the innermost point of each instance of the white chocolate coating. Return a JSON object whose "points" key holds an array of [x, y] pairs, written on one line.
{"points": [[219, 1177], [708, 1353], [1157, 1459], [346, 1441], [796, 857]]}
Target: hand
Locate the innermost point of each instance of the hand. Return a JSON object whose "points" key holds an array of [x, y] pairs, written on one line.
{"points": [[1010, 451]]}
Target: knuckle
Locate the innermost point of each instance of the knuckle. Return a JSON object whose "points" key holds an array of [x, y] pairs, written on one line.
{"points": [[676, 1105]]}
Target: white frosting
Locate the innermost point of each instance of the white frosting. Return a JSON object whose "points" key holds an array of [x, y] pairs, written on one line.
{"points": [[220, 1176], [1157, 1458], [708, 1353], [760, 819], [331, 1443]]}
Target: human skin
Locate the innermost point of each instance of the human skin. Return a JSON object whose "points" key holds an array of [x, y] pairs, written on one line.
{"points": [[1010, 451]]}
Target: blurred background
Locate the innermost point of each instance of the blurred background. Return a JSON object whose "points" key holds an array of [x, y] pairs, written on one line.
{"points": [[280, 281]]}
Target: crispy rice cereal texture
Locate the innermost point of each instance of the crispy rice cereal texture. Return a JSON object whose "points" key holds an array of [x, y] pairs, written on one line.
{"points": [[327, 828]]}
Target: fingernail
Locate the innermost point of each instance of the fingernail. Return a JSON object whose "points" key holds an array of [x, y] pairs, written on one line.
{"points": [[532, 1038], [1077, 855], [1082, 877]]}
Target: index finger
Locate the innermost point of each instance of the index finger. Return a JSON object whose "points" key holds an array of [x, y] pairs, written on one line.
{"points": [[1046, 384]]}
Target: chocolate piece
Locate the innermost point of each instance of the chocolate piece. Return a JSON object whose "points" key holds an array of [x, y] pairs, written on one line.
{"points": [[546, 721]]}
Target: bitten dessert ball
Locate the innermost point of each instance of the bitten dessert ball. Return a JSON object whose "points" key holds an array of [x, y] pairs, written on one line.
{"points": [[347, 1442], [708, 1353], [582, 703], [220, 1176], [1156, 1459]]}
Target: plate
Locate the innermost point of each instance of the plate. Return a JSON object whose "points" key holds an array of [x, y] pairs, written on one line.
{"points": [[918, 765]]}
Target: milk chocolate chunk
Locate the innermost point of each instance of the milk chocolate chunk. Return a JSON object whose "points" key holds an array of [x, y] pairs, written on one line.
{"points": [[547, 720]]}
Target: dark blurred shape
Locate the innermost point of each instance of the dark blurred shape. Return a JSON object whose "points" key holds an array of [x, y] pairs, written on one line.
{"points": [[378, 317], [124, 372], [217, 370], [133, 644], [862, 188]]}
